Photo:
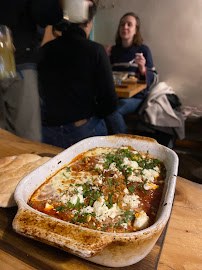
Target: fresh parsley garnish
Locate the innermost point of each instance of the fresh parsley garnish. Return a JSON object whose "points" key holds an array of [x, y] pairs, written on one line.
{"points": [[61, 208], [65, 175], [131, 188]]}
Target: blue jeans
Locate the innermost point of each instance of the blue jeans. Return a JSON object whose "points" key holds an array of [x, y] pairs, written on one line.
{"points": [[67, 135], [115, 121]]}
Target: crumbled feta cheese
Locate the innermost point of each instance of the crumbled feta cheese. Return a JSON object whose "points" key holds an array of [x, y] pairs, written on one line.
{"points": [[134, 178], [80, 189], [131, 200], [113, 167], [74, 198], [126, 191], [148, 186], [48, 207], [132, 164], [99, 166], [125, 225], [149, 174], [141, 221], [102, 160], [87, 209], [102, 211], [156, 168], [65, 198], [99, 180]]}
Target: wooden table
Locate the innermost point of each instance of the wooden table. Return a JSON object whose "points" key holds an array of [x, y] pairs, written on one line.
{"points": [[130, 89], [182, 248]]}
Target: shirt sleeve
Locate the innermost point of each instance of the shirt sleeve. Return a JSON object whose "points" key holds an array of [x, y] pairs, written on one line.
{"points": [[106, 97], [149, 66]]}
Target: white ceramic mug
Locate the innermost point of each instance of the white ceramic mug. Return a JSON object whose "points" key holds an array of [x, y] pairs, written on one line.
{"points": [[75, 11]]}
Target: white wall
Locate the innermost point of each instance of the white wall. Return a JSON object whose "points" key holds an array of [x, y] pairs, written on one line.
{"points": [[173, 31]]}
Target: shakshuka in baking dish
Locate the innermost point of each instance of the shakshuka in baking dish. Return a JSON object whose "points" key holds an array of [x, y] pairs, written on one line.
{"points": [[107, 189]]}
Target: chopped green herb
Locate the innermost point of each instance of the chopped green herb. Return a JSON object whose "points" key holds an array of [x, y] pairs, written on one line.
{"points": [[65, 176], [109, 182], [120, 222], [61, 208], [129, 215], [74, 219], [117, 183], [143, 189], [91, 202], [71, 205], [77, 205], [68, 169], [110, 200], [131, 189]]}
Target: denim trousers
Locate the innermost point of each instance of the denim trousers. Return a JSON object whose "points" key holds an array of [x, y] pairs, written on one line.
{"points": [[115, 121], [67, 135]]}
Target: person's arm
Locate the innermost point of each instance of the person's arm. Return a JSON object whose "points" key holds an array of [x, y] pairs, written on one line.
{"points": [[108, 49], [145, 65], [106, 96]]}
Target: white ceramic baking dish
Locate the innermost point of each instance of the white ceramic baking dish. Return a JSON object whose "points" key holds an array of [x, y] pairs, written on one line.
{"points": [[109, 249]]}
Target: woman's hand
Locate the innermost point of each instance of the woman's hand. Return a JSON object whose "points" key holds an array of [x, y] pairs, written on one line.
{"points": [[141, 61], [90, 3], [108, 49]]}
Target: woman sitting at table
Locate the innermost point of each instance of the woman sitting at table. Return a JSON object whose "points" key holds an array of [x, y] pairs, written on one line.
{"points": [[132, 56], [77, 86]]}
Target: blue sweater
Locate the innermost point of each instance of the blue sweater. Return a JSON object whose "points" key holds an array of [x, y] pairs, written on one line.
{"points": [[120, 57]]}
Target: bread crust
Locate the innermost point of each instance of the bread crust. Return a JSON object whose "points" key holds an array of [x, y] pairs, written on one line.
{"points": [[12, 170]]}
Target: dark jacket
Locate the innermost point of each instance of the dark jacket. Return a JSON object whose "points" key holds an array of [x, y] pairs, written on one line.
{"points": [[75, 78]]}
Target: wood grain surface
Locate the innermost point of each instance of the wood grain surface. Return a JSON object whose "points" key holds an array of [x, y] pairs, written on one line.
{"points": [[181, 250], [129, 90], [42, 256], [13, 145]]}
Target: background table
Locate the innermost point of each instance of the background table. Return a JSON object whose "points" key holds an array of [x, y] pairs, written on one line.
{"points": [[182, 244], [130, 89]]}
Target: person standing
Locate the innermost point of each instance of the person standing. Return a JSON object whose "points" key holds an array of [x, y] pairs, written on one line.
{"points": [[20, 96], [76, 86]]}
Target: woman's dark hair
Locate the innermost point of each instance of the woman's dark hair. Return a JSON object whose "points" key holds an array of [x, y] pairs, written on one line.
{"points": [[92, 11], [137, 39]]}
